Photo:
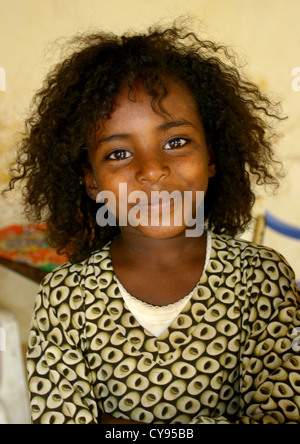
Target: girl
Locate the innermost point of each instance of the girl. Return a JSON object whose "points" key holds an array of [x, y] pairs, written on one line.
{"points": [[146, 324]]}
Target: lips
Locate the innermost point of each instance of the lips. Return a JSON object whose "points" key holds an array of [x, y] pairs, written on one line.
{"points": [[161, 200]]}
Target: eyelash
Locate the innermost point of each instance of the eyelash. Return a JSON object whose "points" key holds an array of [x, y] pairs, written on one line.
{"points": [[109, 157], [174, 140]]}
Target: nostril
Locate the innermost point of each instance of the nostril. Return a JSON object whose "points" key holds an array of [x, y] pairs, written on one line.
{"points": [[152, 172]]}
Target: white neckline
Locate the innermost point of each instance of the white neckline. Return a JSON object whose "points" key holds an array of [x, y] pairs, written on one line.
{"points": [[148, 314]]}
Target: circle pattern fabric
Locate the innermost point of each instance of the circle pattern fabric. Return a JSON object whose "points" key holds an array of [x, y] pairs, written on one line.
{"points": [[228, 357]]}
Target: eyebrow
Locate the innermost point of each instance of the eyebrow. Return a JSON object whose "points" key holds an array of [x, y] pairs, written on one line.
{"points": [[112, 137], [163, 127], [176, 124]]}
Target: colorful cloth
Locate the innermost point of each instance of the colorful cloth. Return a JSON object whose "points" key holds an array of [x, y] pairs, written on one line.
{"points": [[231, 355], [27, 244]]}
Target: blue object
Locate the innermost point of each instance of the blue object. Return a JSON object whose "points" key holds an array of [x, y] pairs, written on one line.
{"points": [[282, 227]]}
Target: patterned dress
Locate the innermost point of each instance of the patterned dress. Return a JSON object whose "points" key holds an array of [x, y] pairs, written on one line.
{"points": [[232, 354]]}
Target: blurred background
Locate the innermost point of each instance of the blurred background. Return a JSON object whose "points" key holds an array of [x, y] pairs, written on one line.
{"points": [[264, 33]]}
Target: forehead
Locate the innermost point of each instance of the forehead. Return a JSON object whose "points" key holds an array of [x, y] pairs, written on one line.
{"points": [[173, 102]]}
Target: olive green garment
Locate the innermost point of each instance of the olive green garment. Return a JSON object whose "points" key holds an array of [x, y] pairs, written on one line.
{"points": [[232, 355]]}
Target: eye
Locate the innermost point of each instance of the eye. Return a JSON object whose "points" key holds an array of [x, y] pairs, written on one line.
{"points": [[119, 155], [176, 143]]}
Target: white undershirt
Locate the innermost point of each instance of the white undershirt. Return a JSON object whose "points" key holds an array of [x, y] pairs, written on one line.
{"points": [[157, 319]]}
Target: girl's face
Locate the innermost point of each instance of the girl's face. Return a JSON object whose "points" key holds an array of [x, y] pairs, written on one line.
{"points": [[152, 151]]}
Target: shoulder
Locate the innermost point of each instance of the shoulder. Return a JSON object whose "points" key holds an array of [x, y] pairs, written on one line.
{"points": [[73, 279], [255, 261], [245, 249], [263, 273], [69, 296]]}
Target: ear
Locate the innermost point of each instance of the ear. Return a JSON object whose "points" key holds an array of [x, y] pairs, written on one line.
{"points": [[90, 183], [212, 169]]}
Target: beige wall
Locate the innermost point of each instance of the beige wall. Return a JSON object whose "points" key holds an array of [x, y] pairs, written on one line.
{"points": [[266, 33]]}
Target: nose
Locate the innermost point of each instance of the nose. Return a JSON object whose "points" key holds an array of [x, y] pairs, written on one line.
{"points": [[152, 170]]}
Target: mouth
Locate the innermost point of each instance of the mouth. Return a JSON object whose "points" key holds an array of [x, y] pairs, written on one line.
{"points": [[160, 202]]}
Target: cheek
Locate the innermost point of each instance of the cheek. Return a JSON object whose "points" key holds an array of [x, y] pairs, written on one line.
{"points": [[109, 180], [195, 176], [117, 187]]}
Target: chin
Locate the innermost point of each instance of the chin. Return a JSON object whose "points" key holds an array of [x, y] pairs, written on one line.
{"points": [[161, 232]]}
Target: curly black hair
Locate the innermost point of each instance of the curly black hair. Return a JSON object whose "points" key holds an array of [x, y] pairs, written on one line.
{"points": [[81, 91]]}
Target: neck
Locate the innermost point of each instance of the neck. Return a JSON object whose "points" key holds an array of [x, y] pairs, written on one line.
{"points": [[134, 247]]}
